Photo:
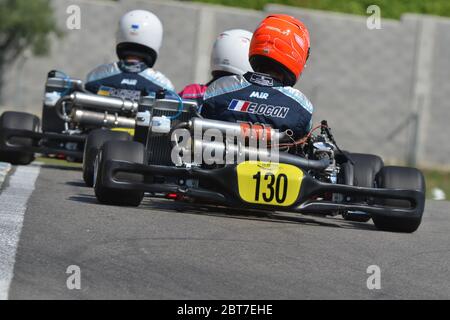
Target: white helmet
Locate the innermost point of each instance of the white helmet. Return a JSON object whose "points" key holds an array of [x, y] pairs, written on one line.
{"points": [[140, 34], [230, 52]]}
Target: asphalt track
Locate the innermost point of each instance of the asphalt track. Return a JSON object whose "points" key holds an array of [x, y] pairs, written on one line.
{"points": [[165, 250]]}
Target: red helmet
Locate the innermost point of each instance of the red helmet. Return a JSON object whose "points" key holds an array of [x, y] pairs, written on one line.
{"points": [[283, 41]]}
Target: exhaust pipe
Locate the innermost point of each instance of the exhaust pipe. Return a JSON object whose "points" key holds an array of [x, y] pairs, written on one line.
{"points": [[84, 100], [242, 129], [92, 118], [112, 104], [236, 153]]}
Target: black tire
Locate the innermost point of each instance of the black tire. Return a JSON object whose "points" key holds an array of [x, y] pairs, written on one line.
{"points": [[365, 169], [51, 122], [23, 121], [94, 142], [119, 150], [393, 177]]}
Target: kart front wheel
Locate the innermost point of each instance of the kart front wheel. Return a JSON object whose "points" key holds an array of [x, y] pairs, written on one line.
{"points": [[94, 142], [123, 151], [21, 121], [393, 177]]}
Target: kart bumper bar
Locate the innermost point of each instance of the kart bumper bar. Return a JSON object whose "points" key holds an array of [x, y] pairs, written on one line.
{"points": [[31, 141], [225, 190]]}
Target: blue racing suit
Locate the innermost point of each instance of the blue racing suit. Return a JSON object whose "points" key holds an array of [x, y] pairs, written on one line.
{"points": [[258, 98], [126, 79]]}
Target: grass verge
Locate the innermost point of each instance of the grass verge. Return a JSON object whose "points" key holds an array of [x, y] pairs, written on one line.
{"points": [[58, 162], [437, 179]]}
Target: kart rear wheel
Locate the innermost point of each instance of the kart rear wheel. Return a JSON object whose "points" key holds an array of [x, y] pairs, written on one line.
{"points": [[94, 142], [393, 177], [125, 151], [22, 121], [365, 168]]}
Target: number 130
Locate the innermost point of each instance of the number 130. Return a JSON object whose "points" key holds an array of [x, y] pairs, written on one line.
{"points": [[276, 187]]}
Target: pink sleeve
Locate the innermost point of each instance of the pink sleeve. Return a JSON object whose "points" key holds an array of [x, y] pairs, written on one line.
{"points": [[193, 91]]}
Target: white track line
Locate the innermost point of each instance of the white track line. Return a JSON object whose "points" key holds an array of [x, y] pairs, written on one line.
{"points": [[13, 204], [4, 169]]}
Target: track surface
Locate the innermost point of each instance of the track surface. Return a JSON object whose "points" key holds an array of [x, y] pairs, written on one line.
{"points": [[163, 250]]}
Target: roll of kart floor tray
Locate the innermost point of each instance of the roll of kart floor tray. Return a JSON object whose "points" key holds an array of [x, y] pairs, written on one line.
{"points": [[240, 129], [103, 103], [99, 119]]}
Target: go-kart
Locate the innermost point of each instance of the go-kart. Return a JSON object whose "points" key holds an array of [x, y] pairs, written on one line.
{"points": [[181, 159], [72, 119]]}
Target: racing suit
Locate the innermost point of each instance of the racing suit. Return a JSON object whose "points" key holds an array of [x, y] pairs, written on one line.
{"points": [[126, 79], [258, 98]]}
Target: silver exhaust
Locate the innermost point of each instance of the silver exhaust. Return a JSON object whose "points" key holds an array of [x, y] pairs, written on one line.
{"points": [[98, 119]]}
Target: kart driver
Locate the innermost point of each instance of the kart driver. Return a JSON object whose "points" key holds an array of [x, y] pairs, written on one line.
{"points": [[138, 39], [229, 56], [279, 50]]}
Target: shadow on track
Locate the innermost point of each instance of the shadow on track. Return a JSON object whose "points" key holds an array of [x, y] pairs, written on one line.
{"points": [[85, 198], [256, 215], [77, 183], [169, 206]]}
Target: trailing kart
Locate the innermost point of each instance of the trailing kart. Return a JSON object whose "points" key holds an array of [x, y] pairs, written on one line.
{"points": [[69, 114], [311, 175]]}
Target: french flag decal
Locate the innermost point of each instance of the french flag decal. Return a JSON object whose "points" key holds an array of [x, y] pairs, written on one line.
{"points": [[239, 105]]}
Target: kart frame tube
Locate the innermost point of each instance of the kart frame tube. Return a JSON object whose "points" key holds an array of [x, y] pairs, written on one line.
{"points": [[39, 139], [228, 194]]}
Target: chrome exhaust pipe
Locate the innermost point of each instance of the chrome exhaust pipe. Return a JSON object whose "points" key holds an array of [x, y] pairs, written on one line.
{"points": [[101, 103], [99, 119], [98, 102], [241, 129], [232, 153]]}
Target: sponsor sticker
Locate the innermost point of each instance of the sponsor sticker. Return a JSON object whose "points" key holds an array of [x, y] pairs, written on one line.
{"points": [[134, 29], [260, 109], [119, 93], [276, 184], [262, 79]]}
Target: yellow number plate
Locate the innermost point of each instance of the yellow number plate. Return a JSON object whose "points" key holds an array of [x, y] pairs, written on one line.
{"points": [[130, 131], [275, 184]]}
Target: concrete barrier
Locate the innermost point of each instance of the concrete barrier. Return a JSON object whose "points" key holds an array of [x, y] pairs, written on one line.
{"points": [[382, 91]]}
